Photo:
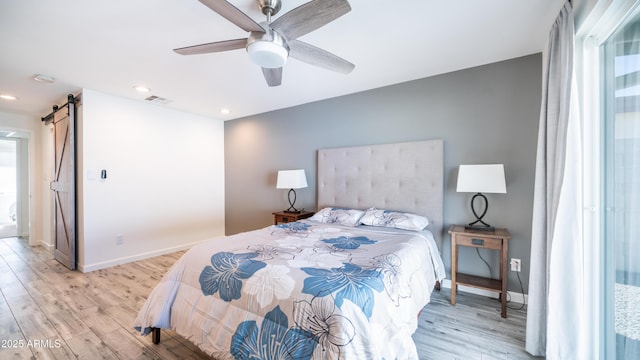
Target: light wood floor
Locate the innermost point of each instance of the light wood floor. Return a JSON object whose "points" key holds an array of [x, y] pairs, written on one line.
{"points": [[48, 312]]}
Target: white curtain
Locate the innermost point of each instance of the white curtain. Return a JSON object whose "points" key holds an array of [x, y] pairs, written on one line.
{"points": [[554, 315]]}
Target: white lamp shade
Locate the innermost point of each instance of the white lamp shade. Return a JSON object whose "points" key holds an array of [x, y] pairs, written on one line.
{"points": [[291, 179], [267, 54], [487, 178]]}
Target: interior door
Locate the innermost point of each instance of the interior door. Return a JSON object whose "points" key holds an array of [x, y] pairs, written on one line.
{"points": [[64, 186]]}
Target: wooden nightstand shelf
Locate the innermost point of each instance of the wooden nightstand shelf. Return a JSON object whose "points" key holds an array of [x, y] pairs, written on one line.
{"points": [[286, 217], [493, 240]]}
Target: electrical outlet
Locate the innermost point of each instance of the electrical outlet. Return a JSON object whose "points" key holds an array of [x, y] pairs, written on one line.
{"points": [[516, 265], [119, 239]]}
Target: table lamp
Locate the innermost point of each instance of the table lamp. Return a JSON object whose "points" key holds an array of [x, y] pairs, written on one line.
{"points": [[291, 179], [481, 179]]}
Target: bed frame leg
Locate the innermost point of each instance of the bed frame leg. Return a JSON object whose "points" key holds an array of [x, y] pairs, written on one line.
{"points": [[437, 286], [155, 335]]}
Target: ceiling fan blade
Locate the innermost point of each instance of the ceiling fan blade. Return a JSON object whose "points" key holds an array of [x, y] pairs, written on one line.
{"points": [[213, 47], [318, 57], [273, 76], [233, 14], [310, 16]]}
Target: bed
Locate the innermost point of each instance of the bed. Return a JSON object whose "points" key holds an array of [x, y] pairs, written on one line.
{"points": [[347, 283]]}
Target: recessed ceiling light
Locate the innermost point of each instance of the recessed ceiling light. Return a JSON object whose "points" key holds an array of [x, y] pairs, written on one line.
{"points": [[43, 78], [225, 111], [142, 88], [8, 97]]}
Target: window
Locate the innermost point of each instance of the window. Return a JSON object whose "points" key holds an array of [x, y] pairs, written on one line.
{"points": [[620, 94]]}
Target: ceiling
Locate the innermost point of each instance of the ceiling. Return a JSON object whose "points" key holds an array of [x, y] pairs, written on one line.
{"points": [[110, 46]]}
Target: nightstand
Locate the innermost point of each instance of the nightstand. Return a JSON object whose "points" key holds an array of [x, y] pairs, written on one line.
{"points": [[492, 240], [286, 217]]}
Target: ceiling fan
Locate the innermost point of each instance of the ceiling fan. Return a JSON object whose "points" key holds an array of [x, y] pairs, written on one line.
{"points": [[270, 44]]}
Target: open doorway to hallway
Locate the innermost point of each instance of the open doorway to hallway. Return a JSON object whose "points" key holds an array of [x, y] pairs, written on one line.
{"points": [[8, 188], [14, 183]]}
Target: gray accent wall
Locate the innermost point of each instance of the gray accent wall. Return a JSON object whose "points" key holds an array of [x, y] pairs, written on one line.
{"points": [[486, 114]]}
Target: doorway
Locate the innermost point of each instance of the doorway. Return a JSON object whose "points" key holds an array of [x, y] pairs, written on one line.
{"points": [[8, 187], [15, 162]]}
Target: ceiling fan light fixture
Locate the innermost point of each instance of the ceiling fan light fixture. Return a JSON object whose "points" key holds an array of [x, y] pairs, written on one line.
{"points": [[267, 49], [267, 54]]}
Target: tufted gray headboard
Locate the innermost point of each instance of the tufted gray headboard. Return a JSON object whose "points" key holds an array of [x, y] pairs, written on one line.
{"points": [[402, 176]]}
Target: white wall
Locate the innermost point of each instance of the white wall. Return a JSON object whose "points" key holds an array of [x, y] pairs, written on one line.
{"points": [[164, 189]]}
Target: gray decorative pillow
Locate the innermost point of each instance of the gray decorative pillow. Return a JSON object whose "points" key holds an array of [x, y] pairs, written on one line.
{"points": [[394, 219], [342, 216]]}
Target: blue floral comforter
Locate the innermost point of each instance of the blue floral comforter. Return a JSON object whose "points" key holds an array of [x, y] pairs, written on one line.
{"points": [[301, 290]]}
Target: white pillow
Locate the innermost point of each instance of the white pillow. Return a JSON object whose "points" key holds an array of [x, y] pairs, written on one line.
{"points": [[394, 219], [342, 216]]}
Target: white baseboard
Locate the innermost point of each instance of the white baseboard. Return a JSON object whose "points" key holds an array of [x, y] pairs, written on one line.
{"points": [[35, 242], [106, 264], [46, 245], [515, 297]]}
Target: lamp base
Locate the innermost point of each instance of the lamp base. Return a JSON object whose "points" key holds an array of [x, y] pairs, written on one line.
{"points": [[484, 226], [293, 211], [479, 228]]}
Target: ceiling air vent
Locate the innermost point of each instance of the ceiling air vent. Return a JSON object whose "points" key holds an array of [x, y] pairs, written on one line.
{"points": [[157, 100]]}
